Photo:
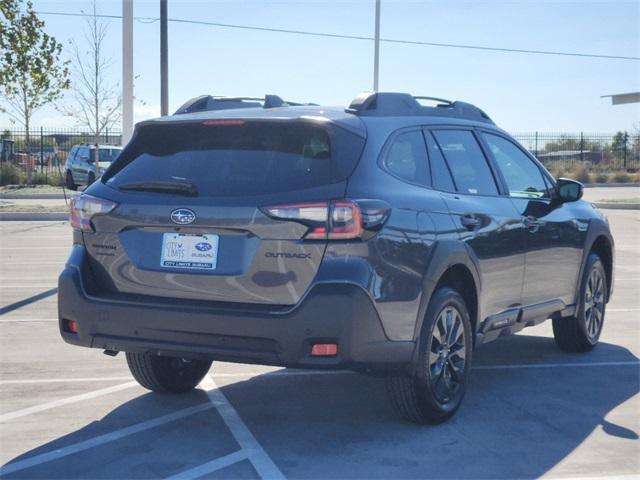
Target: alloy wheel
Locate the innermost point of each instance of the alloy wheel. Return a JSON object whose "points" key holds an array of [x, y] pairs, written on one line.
{"points": [[446, 359], [594, 304]]}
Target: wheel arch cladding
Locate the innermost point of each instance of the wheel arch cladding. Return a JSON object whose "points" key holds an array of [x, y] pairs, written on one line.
{"points": [[452, 266], [603, 248], [460, 278]]}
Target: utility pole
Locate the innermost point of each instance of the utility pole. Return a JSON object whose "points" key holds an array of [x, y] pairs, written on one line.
{"points": [[164, 60], [376, 51], [127, 70]]}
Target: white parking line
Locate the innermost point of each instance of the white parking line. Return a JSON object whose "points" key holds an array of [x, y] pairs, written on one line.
{"points": [[27, 320], [298, 373], [22, 264], [64, 380], [102, 439], [64, 401], [258, 457], [211, 466]]}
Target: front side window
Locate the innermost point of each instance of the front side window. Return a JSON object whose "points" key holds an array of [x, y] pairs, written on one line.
{"points": [[469, 167], [522, 175], [407, 158]]}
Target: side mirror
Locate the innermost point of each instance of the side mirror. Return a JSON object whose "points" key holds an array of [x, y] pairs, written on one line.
{"points": [[569, 190]]}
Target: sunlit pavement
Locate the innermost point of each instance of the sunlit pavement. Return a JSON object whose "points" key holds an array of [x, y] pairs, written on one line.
{"points": [[530, 411]]}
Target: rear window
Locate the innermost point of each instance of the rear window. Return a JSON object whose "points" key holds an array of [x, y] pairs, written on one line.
{"points": [[239, 158], [107, 154]]}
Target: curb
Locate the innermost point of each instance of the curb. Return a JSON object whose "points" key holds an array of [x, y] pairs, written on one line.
{"points": [[613, 185], [42, 196], [28, 217], [618, 206]]}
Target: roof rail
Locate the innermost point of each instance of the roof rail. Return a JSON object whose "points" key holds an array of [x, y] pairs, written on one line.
{"points": [[209, 102], [387, 104]]}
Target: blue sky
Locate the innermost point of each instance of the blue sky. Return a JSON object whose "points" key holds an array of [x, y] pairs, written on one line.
{"points": [[521, 92]]}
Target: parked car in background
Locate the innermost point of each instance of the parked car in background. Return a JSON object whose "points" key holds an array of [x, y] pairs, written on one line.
{"points": [[80, 167]]}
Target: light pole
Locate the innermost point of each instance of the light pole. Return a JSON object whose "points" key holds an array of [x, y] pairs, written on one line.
{"points": [[164, 60], [127, 70], [376, 48]]}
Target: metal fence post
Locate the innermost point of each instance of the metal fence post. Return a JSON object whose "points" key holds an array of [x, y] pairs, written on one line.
{"points": [[626, 139], [581, 146], [41, 151], [536, 154]]}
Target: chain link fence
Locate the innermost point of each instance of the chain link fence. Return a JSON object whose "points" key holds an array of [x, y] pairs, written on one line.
{"points": [[43, 154], [593, 152]]}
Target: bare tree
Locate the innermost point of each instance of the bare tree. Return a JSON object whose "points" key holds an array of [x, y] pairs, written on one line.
{"points": [[97, 103]]}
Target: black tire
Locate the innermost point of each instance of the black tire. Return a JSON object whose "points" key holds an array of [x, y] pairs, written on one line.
{"points": [[91, 178], [166, 374], [581, 332], [419, 397], [68, 180]]}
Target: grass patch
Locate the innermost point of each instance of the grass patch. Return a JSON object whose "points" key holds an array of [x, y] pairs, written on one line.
{"points": [[31, 189], [12, 208]]}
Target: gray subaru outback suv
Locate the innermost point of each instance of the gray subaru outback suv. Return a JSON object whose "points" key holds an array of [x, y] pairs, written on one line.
{"points": [[390, 237]]}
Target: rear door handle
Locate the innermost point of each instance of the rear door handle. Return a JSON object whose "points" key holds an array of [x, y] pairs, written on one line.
{"points": [[532, 223], [470, 221]]}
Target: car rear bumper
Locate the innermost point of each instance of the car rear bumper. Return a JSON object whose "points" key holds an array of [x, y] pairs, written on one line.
{"points": [[329, 313]]}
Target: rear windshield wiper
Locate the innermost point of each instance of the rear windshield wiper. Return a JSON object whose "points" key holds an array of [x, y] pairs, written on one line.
{"points": [[178, 188]]}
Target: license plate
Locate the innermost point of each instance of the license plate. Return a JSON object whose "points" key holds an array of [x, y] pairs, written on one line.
{"points": [[199, 252]]}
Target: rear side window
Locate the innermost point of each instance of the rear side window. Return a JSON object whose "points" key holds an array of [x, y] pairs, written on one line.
{"points": [[439, 170], [406, 158], [107, 154], [466, 161], [239, 158], [522, 175]]}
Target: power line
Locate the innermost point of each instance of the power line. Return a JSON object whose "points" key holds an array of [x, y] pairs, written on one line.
{"points": [[356, 37]]}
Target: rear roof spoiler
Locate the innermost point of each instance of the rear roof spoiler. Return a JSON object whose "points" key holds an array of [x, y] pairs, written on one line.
{"points": [[388, 104], [205, 103]]}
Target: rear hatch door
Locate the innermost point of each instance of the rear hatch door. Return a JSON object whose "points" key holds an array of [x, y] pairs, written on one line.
{"points": [[190, 221]]}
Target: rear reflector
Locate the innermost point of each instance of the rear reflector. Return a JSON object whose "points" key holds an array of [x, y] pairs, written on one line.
{"points": [[324, 350], [70, 326]]}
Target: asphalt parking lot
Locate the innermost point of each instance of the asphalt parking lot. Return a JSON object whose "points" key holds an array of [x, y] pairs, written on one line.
{"points": [[531, 411]]}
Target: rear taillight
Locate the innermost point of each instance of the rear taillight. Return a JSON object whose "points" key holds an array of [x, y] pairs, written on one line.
{"points": [[337, 220], [84, 207]]}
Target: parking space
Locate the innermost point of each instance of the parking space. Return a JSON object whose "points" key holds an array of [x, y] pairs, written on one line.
{"points": [[531, 410]]}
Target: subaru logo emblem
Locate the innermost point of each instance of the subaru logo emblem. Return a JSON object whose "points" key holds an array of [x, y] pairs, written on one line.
{"points": [[204, 246], [183, 216]]}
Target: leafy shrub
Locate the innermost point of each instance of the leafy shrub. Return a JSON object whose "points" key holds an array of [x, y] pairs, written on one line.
{"points": [[41, 178], [622, 177], [581, 174], [557, 171], [600, 177], [10, 174]]}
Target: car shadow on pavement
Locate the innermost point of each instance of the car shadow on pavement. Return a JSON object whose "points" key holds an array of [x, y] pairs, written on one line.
{"points": [[514, 423]]}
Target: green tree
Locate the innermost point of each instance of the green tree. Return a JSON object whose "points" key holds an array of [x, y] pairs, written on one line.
{"points": [[619, 145], [31, 72]]}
